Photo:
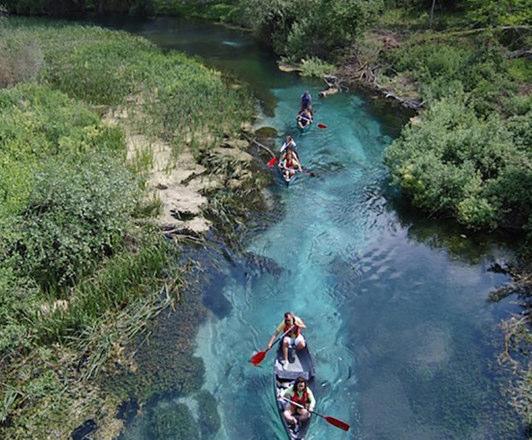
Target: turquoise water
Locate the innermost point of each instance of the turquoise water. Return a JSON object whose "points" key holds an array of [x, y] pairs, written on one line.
{"points": [[396, 307]]}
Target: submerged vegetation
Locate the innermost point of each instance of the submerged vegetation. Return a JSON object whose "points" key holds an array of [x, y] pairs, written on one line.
{"points": [[83, 272], [75, 284]]}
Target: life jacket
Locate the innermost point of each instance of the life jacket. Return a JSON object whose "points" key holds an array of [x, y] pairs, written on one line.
{"points": [[289, 163], [296, 331], [303, 400]]}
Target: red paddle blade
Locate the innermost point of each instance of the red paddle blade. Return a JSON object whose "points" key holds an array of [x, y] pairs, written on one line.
{"points": [[257, 358], [320, 125], [272, 162], [337, 423]]}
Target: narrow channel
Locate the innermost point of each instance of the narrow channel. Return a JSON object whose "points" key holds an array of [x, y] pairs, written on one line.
{"points": [[404, 338]]}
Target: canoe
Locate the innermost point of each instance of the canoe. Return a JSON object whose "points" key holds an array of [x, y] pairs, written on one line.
{"points": [[300, 123], [286, 180], [301, 364], [281, 170]]}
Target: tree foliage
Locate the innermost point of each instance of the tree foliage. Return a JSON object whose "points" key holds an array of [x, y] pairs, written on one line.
{"points": [[476, 169], [311, 27], [499, 12]]}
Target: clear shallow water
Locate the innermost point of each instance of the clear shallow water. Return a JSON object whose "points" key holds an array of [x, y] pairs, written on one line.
{"points": [[404, 339]]}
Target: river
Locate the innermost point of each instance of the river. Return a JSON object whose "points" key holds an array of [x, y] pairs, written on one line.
{"points": [[404, 338]]}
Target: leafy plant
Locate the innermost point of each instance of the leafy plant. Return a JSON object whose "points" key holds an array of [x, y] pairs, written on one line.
{"points": [[76, 214], [476, 169], [315, 67]]}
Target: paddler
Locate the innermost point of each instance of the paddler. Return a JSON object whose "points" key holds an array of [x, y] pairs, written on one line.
{"points": [[288, 143], [289, 164], [301, 394], [304, 118], [306, 101], [292, 326]]}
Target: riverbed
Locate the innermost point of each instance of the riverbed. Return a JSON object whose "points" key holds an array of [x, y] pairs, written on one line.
{"points": [[404, 338]]}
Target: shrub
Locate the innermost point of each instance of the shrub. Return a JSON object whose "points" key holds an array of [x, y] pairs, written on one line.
{"points": [[315, 67], [499, 12], [311, 27], [36, 123], [18, 307], [442, 70], [475, 169], [76, 214]]}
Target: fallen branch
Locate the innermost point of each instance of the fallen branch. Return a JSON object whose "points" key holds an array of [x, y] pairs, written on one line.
{"points": [[264, 147], [525, 53]]}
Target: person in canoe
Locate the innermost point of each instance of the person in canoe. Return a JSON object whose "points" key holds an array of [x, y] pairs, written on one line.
{"points": [[304, 118], [306, 101], [293, 325], [288, 143], [289, 164], [299, 393]]}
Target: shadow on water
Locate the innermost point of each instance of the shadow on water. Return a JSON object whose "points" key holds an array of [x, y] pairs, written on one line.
{"points": [[468, 246]]}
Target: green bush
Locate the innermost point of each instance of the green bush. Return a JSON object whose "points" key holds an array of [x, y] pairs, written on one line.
{"points": [[499, 12], [442, 69], [315, 67], [18, 308], [311, 27], [37, 123], [218, 12], [475, 169], [76, 214]]}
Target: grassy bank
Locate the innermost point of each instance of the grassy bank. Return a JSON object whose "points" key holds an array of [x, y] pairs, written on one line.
{"points": [[83, 273]]}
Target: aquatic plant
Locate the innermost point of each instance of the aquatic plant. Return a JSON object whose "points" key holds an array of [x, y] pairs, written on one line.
{"points": [[209, 419], [174, 422]]}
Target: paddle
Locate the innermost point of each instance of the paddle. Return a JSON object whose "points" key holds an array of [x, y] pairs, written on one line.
{"points": [[322, 125], [333, 421], [310, 173], [271, 163], [257, 358]]}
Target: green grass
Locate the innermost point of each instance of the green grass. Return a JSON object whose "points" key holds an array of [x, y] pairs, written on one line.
{"points": [[79, 280], [178, 98]]}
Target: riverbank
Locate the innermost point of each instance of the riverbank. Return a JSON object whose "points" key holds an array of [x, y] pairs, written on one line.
{"points": [[349, 268], [107, 143], [466, 71]]}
